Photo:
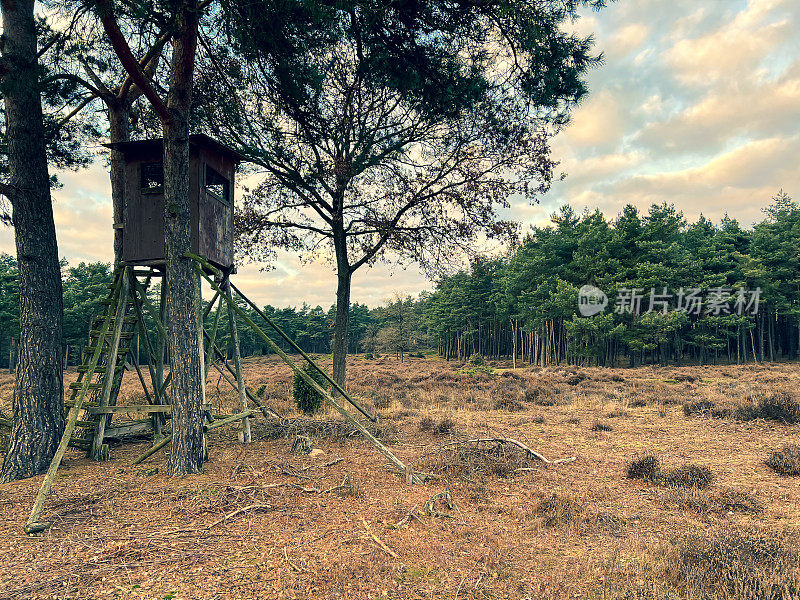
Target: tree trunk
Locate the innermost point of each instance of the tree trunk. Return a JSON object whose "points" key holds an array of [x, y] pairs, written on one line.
{"points": [[341, 325], [119, 131], [182, 284], [38, 405]]}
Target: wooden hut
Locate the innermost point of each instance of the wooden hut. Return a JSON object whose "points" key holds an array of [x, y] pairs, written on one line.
{"points": [[212, 168]]}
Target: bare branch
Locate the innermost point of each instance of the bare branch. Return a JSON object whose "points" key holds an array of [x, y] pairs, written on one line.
{"points": [[105, 10], [72, 113]]}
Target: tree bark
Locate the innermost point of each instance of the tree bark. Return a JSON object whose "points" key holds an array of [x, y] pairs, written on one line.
{"points": [[183, 287], [341, 328], [119, 131], [342, 324], [38, 389]]}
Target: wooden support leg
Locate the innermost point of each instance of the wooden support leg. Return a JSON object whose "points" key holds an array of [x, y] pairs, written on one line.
{"points": [[237, 364], [314, 385], [158, 419]]}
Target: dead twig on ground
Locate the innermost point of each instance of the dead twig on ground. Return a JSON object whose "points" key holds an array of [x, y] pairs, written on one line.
{"points": [[335, 461], [291, 564], [238, 512], [513, 442], [378, 541]]}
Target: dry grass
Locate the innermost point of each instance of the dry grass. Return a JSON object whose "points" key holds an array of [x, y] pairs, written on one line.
{"points": [[729, 563], [712, 502], [131, 532], [558, 509]]}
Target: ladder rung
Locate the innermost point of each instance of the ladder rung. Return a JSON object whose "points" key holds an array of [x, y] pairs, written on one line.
{"points": [[100, 320], [89, 351], [71, 403], [86, 424], [98, 369], [91, 386], [124, 335]]}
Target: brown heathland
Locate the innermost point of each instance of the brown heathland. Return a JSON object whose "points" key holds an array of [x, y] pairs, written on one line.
{"points": [[264, 523]]}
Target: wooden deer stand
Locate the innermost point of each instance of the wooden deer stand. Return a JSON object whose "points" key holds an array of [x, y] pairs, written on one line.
{"points": [[130, 314]]}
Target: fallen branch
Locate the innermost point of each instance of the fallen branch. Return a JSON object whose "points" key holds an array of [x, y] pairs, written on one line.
{"points": [[513, 442], [327, 464], [238, 512], [378, 541]]}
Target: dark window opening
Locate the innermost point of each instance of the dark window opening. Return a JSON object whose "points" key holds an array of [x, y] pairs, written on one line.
{"points": [[152, 178], [217, 185]]}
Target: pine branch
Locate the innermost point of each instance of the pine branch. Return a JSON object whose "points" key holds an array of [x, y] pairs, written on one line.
{"points": [[105, 11]]}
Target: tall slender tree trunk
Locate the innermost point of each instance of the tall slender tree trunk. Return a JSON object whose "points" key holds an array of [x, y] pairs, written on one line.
{"points": [[38, 390], [341, 325], [182, 284], [119, 131]]}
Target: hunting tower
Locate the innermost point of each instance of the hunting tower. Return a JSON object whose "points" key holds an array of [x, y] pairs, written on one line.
{"points": [[211, 178]]}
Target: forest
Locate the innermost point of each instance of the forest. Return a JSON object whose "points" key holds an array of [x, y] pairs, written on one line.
{"points": [[524, 305]]}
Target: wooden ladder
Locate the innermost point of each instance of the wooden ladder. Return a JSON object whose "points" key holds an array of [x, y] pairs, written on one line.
{"points": [[105, 344], [115, 345]]}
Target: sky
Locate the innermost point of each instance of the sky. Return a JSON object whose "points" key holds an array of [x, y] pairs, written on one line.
{"points": [[696, 104]]}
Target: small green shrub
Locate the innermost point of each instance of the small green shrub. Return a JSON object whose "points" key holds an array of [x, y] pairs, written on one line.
{"points": [[369, 356], [600, 426], [785, 461], [476, 360], [308, 400]]}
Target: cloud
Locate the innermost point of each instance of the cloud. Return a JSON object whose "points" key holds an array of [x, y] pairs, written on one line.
{"points": [[627, 39], [753, 109], [293, 283], [596, 123], [740, 182], [723, 54]]}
